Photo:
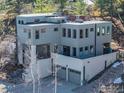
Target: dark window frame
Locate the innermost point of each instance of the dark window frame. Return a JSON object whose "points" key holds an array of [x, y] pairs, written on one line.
{"points": [[43, 51], [29, 34], [81, 33], [74, 51], [91, 47], [81, 49], [98, 31], [22, 22], [19, 22], [56, 29], [86, 32], [108, 30], [91, 29], [86, 48], [64, 32], [74, 34], [103, 30], [37, 34], [69, 33]]}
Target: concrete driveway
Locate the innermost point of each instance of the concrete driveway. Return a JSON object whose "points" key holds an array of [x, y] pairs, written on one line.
{"points": [[45, 86]]}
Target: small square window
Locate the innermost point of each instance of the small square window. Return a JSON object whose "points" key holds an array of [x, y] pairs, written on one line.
{"points": [[91, 29], [86, 48], [56, 29]]}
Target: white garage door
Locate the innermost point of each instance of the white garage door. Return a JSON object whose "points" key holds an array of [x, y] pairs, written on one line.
{"points": [[61, 73], [74, 76]]}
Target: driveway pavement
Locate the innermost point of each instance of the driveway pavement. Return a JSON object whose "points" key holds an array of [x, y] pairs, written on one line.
{"points": [[45, 86]]}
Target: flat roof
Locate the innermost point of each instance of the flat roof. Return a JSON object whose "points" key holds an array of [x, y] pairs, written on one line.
{"points": [[35, 15], [68, 23], [58, 17], [85, 22], [41, 24]]}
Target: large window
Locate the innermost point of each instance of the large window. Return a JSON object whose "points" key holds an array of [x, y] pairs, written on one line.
{"points": [[43, 51], [37, 34], [81, 33], [66, 50], [86, 33], [64, 32], [69, 33], [74, 33], [74, 51], [91, 29]]}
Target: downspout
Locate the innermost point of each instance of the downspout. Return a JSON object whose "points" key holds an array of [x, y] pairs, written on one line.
{"points": [[95, 37], [16, 55]]}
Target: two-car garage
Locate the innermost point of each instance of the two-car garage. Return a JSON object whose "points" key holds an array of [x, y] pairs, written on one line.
{"points": [[79, 71], [69, 75]]}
